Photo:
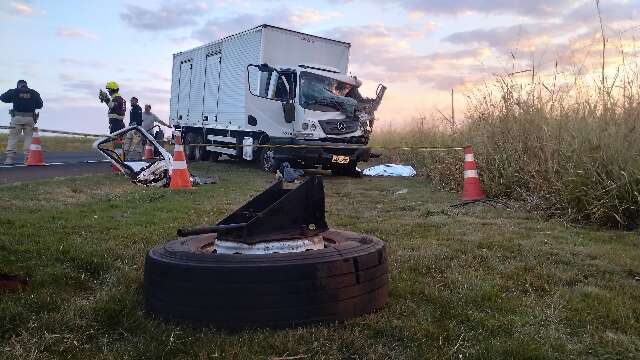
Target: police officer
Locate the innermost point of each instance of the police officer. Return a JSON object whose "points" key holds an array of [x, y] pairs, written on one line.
{"points": [[23, 117], [116, 104]]}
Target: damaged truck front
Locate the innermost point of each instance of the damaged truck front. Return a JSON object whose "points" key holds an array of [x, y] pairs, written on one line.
{"points": [[330, 121], [296, 103]]}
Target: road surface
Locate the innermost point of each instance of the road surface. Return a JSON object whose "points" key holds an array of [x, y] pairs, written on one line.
{"points": [[59, 165]]}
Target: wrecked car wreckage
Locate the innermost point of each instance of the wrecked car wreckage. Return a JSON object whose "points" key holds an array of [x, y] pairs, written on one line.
{"points": [[155, 171]]}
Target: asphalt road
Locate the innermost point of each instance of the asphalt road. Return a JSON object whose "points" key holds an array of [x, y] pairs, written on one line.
{"points": [[64, 157], [58, 165]]}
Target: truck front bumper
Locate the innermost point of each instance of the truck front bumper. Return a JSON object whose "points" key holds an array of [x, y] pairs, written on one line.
{"points": [[317, 152]]}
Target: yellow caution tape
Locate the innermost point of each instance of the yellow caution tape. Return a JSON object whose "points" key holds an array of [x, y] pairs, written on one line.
{"points": [[422, 148]]}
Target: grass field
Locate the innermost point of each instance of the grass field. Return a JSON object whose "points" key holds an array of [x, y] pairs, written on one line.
{"points": [[470, 283], [56, 143]]}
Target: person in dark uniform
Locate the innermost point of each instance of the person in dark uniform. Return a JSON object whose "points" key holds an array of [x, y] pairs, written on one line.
{"points": [[133, 140], [23, 117]]}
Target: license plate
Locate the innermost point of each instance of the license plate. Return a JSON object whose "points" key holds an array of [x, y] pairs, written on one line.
{"points": [[340, 159]]}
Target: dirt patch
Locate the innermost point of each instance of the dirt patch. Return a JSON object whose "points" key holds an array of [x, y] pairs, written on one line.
{"points": [[12, 282]]}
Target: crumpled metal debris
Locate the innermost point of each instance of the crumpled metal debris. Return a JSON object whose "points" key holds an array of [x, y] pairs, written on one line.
{"points": [[154, 172]]}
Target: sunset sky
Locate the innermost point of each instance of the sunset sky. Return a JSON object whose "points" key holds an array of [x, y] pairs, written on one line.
{"points": [[67, 50]]}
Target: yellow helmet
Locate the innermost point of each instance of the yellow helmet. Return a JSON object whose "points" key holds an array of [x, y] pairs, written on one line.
{"points": [[112, 85]]}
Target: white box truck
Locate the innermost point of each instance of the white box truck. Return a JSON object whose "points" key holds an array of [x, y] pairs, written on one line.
{"points": [[277, 94]]}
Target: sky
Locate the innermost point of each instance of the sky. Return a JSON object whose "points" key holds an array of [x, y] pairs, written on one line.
{"points": [[419, 49]]}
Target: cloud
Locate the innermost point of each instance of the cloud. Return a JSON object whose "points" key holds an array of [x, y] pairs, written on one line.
{"points": [[527, 8], [219, 27], [83, 63], [169, 16], [75, 33], [384, 54], [21, 9]]}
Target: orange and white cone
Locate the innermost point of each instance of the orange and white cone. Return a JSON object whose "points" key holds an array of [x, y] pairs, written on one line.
{"points": [[472, 190], [180, 178], [148, 151], [35, 156], [117, 144]]}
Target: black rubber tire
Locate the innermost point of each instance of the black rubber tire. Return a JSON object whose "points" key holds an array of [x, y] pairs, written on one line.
{"points": [[195, 153], [267, 162], [345, 279], [214, 156]]}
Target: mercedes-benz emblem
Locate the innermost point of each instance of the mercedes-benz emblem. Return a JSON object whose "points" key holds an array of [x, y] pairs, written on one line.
{"points": [[341, 126]]}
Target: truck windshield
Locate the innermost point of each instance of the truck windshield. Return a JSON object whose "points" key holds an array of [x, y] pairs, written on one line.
{"points": [[321, 93]]}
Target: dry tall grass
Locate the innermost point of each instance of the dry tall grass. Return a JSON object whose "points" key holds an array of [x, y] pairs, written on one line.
{"points": [[567, 148]]}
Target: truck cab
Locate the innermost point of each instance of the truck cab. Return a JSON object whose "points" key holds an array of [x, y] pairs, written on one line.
{"points": [[313, 115]]}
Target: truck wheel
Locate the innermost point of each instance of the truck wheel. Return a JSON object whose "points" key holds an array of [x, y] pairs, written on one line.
{"points": [[184, 280], [267, 161], [197, 153]]}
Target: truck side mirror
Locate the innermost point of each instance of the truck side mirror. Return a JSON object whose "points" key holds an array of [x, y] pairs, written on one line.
{"points": [[289, 109]]}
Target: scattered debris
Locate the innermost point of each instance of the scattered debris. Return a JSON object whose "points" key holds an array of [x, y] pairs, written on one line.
{"points": [[290, 174], [400, 192], [390, 170]]}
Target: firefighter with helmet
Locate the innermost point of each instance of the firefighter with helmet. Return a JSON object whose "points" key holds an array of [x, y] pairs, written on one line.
{"points": [[116, 104]]}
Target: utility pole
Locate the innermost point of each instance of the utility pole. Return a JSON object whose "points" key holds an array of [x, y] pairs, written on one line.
{"points": [[453, 115]]}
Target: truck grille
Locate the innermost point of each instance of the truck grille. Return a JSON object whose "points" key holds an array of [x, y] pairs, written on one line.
{"points": [[338, 127]]}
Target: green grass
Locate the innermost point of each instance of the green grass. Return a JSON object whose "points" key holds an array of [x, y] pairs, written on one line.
{"points": [[56, 143], [476, 282]]}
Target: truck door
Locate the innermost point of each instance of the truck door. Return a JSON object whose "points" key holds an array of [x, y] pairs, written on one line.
{"points": [[211, 89], [184, 95], [269, 91]]}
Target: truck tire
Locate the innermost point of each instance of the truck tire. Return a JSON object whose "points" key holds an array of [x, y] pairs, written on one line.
{"points": [[349, 277], [195, 153], [266, 160]]}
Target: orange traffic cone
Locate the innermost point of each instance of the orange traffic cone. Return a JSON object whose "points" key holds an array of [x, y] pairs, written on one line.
{"points": [[35, 156], [472, 188], [179, 174], [117, 147], [148, 151]]}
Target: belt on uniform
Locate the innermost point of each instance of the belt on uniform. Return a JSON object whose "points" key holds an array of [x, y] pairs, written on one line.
{"points": [[23, 114]]}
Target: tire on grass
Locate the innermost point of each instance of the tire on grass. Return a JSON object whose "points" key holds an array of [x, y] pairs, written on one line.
{"points": [[184, 281], [195, 153]]}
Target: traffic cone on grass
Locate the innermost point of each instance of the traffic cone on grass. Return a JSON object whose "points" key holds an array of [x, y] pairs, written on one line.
{"points": [[472, 188], [35, 156], [180, 178], [148, 151]]}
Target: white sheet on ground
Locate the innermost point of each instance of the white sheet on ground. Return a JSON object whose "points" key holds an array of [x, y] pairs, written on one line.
{"points": [[389, 170]]}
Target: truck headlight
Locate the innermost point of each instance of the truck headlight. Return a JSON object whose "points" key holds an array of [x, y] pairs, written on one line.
{"points": [[313, 127], [305, 126]]}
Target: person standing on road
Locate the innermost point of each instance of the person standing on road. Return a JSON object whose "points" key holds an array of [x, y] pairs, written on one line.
{"points": [[116, 104], [133, 141], [23, 117], [135, 114], [149, 119]]}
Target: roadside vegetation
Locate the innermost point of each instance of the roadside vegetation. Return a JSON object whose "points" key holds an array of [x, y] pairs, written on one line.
{"points": [[558, 143], [476, 282]]}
